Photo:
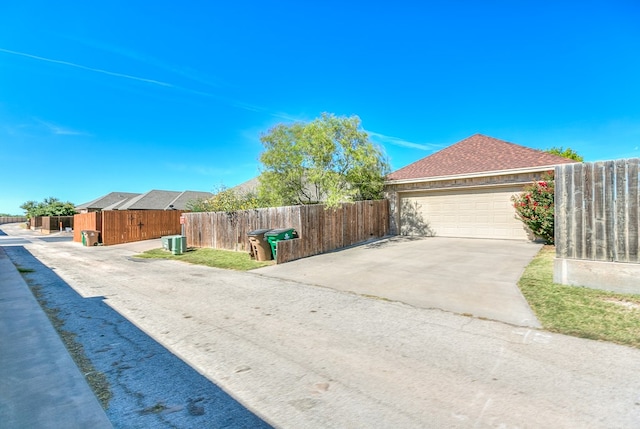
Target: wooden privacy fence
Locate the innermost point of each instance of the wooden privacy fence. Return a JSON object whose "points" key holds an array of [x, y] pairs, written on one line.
{"points": [[117, 227], [321, 230], [228, 230], [12, 219], [86, 221], [596, 211], [35, 222], [53, 223], [137, 225]]}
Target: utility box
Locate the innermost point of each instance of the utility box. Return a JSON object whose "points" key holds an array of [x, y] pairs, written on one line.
{"points": [[165, 242], [260, 249], [168, 240]]}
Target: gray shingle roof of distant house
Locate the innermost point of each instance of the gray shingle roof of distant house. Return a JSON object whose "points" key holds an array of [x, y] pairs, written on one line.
{"points": [[163, 200], [152, 200], [182, 201], [476, 154], [107, 200], [250, 185], [130, 202], [117, 205]]}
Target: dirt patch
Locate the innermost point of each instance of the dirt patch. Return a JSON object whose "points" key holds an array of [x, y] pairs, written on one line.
{"points": [[631, 305]]}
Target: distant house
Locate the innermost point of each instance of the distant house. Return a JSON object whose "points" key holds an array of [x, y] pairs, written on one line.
{"points": [[311, 195], [465, 189], [249, 187], [105, 201], [152, 200]]}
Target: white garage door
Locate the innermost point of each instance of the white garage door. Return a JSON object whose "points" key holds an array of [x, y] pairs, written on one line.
{"points": [[473, 213]]}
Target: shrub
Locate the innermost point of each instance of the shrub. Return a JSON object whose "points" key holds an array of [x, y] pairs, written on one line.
{"points": [[226, 200], [534, 207]]}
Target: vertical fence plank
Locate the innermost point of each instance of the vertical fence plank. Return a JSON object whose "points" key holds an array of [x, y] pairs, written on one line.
{"points": [[621, 230], [633, 203], [571, 224], [589, 219], [46, 224], [316, 230], [560, 213], [577, 197], [610, 210], [599, 207]]}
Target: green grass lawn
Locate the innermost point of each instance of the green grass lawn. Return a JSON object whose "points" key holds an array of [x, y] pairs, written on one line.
{"points": [[578, 311], [226, 259]]}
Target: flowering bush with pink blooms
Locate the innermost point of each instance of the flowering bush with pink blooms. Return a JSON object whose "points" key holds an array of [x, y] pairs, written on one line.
{"points": [[534, 207]]}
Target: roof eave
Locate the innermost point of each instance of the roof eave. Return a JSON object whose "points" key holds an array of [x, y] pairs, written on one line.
{"points": [[474, 175]]}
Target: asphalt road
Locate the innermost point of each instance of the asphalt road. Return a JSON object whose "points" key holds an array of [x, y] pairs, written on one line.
{"points": [[303, 356], [150, 387]]}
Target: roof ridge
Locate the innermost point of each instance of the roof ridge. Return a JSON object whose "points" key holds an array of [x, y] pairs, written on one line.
{"points": [[475, 154]]}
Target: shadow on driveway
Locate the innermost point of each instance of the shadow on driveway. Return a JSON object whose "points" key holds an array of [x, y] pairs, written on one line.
{"points": [[57, 239]]}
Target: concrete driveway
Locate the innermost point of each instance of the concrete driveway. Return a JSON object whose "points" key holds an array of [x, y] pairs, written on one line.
{"points": [[465, 276]]}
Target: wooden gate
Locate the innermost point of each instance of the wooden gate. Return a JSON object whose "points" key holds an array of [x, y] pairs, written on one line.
{"points": [[117, 227], [137, 225]]}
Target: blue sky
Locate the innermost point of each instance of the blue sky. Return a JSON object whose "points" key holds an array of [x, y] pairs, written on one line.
{"points": [[132, 96]]}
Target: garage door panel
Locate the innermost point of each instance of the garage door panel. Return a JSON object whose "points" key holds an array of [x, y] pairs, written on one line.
{"points": [[477, 213], [466, 205]]}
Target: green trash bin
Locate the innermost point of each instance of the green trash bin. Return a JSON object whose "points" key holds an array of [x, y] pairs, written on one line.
{"points": [[276, 235]]}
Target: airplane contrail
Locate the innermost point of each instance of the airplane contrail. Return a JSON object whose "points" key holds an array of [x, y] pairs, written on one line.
{"points": [[67, 63]]}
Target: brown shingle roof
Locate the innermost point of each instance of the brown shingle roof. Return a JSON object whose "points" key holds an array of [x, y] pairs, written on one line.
{"points": [[476, 154]]}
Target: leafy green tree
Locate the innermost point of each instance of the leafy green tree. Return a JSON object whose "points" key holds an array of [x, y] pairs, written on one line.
{"points": [[48, 207], [565, 153], [30, 208], [197, 205], [226, 200], [535, 207], [329, 159]]}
